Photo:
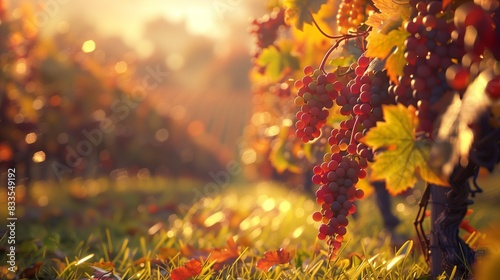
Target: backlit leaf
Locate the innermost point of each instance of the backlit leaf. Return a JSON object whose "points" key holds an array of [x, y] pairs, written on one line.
{"points": [[224, 256], [299, 12], [277, 60], [389, 47], [391, 16], [271, 258], [401, 156], [190, 269]]}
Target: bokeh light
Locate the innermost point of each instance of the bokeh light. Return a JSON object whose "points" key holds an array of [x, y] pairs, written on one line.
{"points": [[121, 67], [88, 46]]}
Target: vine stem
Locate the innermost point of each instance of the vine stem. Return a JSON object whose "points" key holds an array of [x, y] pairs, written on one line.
{"points": [[377, 10], [354, 127], [337, 43], [321, 30]]}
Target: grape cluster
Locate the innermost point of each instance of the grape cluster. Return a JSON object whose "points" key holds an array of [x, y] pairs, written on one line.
{"points": [[315, 92], [266, 29], [474, 33], [337, 176], [360, 99], [351, 14], [429, 53]]}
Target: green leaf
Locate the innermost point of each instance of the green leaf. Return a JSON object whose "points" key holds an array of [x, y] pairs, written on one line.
{"points": [[342, 61], [299, 12], [402, 156], [276, 61], [390, 47]]}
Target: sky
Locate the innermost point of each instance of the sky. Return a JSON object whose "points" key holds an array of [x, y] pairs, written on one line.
{"points": [[220, 20]]}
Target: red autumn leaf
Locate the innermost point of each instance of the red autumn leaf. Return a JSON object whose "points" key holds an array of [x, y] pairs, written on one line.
{"points": [[465, 225], [280, 256], [104, 265], [31, 271], [224, 256], [190, 269]]}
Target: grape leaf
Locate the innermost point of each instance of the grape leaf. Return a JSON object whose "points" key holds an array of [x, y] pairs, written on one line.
{"points": [[391, 15], [389, 47], [454, 138], [280, 256], [299, 12], [190, 269], [402, 155], [278, 156], [276, 61], [342, 61]]}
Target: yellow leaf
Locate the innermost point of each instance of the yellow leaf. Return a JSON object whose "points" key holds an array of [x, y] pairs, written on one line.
{"points": [[391, 16], [403, 156], [390, 47], [395, 64]]}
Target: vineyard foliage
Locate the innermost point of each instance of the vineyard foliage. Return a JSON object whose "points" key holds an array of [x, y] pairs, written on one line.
{"points": [[356, 91]]}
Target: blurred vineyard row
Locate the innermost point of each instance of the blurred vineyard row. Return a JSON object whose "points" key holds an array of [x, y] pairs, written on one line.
{"points": [[71, 105]]}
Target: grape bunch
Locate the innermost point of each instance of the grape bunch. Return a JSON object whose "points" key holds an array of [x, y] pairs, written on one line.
{"points": [[351, 14], [360, 99], [337, 176], [475, 34], [315, 94], [429, 53], [266, 28]]}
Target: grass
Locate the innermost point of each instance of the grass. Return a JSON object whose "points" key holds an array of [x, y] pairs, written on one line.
{"points": [[145, 228]]}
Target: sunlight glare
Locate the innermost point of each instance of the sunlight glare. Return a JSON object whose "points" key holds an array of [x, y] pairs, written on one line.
{"points": [[214, 219], [400, 207], [285, 206], [249, 156], [298, 232], [31, 138], [38, 103], [39, 157], [155, 228], [268, 204], [21, 67], [121, 67], [272, 131], [88, 46], [84, 259]]}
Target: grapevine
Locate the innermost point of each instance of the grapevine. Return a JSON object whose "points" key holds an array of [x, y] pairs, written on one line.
{"points": [[428, 70]]}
